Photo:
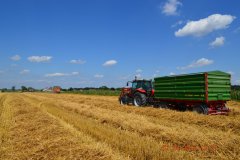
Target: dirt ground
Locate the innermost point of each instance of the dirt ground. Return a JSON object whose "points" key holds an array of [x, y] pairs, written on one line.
{"points": [[71, 126]]}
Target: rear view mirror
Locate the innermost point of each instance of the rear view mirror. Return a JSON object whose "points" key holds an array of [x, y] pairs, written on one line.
{"points": [[127, 84]]}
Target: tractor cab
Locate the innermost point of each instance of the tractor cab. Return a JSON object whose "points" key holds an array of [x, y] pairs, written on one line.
{"points": [[143, 86], [137, 92]]}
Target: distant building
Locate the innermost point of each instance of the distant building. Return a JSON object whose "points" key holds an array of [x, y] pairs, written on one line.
{"points": [[56, 89], [48, 89], [30, 89]]}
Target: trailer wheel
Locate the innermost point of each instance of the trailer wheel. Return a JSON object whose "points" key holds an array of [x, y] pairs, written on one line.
{"points": [[201, 109], [163, 105], [139, 99], [182, 107]]}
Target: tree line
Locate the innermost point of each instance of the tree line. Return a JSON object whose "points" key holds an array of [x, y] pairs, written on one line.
{"points": [[71, 89]]}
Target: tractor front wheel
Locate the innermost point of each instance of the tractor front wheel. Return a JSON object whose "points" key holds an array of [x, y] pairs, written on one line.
{"points": [[139, 99], [123, 100]]}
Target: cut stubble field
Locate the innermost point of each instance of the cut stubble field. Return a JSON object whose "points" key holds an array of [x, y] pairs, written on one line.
{"points": [[72, 126]]}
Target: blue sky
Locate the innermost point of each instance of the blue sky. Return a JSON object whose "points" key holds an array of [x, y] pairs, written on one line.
{"points": [[79, 43]]}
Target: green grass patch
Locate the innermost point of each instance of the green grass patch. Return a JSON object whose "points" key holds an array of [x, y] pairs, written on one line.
{"points": [[96, 92], [235, 94]]}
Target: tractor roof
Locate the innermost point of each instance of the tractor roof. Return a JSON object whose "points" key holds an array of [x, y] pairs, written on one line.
{"points": [[141, 80]]}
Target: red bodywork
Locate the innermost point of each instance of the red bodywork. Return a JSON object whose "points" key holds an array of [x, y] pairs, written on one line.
{"points": [[218, 107], [141, 90], [128, 91]]}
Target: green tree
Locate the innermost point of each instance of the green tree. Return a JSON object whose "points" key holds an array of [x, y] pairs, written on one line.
{"points": [[103, 87], [24, 88], [4, 90], [13, 88]]}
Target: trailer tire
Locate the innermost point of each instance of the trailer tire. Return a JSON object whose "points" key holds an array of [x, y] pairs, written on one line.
{"points": [[200, 109], [163, 105], [139, 99], [182, 107]]}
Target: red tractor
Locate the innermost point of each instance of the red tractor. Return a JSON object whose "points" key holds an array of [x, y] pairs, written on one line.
{"points": [[140, 93]]}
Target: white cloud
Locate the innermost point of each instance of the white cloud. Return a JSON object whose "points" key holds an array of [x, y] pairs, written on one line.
{"points": [[25, 71], [138, 75], [77, 61], [110, 63], [62, 74], [15, 58], [139, 71], [231, 72], [238, 82], [157, 73], [177, 23], [39, 58], [198, 63], [170, 7], [206, 25], [56, 75], [98, 76], [75, 73], [219, 41], [172, 73]]}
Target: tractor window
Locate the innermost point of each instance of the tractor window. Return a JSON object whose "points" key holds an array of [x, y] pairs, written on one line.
{"points": [[147, 85], [134, 85], [137, 84]]}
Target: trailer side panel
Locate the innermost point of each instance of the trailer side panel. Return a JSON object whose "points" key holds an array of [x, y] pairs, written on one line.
{"points": [[205, 87]]}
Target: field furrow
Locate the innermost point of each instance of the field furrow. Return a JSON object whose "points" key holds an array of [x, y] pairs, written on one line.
{"points": [[5, 124], [203, 140], [128, 143], [37, 135], [223, 123], [65, 126]]}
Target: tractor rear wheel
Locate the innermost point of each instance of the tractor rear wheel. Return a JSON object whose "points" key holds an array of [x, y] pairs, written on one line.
{"points": [[139, 99], [201, 109]]}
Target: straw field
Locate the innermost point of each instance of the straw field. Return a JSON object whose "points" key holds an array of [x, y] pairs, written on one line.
{"points": [[72, 126]]}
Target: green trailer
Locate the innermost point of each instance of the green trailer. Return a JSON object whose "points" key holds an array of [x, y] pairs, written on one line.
{"points": [[204, 92]]}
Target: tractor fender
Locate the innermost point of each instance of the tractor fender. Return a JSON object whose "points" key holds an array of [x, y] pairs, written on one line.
{"points": [[141, 90]]}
